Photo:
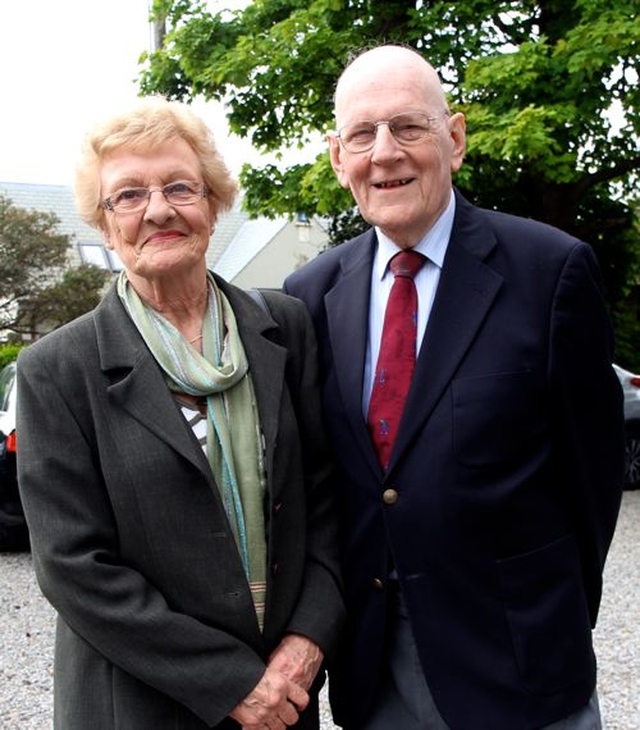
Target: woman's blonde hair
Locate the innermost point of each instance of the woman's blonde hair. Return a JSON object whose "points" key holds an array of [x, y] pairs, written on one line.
{"points": [[151, 122]]}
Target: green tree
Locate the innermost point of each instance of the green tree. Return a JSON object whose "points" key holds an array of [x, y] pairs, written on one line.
{"points": [[537, 81], [550, 91], [78, 291], [36, 284]]}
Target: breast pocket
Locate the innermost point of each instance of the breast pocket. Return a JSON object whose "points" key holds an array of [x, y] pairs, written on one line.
{"points": [[497, 418]]}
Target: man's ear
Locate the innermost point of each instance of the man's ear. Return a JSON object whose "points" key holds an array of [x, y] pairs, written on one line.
{"points": [[458, 134], [335, 153]]}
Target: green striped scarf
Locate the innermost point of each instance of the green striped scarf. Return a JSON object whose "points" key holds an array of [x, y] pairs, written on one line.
{"points": [[234, 440]]}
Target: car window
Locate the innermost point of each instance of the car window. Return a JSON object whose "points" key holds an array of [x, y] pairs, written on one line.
{"points": [[7, 379]]}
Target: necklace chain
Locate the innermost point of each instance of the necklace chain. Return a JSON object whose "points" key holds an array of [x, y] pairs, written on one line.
{"points": [[195, 339]]}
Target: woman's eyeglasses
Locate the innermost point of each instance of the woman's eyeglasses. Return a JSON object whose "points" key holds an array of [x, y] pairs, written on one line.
{"points": [[132, 200]]}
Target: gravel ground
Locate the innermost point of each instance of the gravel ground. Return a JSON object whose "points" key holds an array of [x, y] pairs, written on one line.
{"points": [[26, 637]]}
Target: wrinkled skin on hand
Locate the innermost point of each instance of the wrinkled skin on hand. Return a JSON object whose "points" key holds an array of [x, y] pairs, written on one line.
{"points": [[277, 699], [273, 703], [298, 658]]}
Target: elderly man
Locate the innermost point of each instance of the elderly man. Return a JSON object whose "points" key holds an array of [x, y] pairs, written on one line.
{"points": [[468, 389]]}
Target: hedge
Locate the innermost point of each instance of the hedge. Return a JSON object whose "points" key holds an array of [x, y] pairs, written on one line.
{"points": [[8, 353]]}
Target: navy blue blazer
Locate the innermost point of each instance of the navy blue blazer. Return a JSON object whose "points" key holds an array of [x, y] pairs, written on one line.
{"points": [[508, 467]]}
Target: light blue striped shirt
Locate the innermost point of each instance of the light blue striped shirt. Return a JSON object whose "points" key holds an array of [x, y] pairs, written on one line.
{"points": [[433, 246]]}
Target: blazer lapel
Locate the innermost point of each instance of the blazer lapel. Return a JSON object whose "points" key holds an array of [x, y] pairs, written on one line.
{"points": [[267, 361], [465, 294], [136, 382], [347, 306]]}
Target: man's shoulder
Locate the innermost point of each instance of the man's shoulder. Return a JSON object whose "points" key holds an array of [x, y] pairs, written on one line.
{"points": [[511, 227], [329, 263]]}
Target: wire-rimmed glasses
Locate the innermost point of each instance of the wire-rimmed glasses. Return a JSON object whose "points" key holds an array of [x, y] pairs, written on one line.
{"points": [[407, 128], [132, 200]]}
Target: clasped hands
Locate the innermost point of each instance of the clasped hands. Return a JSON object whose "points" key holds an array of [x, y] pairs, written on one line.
{"points": [[282, 692]]}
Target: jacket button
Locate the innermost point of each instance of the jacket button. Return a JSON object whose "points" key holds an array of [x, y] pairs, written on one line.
{"points": [[377, 584], [389, 496]]}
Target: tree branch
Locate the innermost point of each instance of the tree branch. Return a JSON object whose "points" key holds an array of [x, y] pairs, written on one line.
{"points": [[609, 173]]}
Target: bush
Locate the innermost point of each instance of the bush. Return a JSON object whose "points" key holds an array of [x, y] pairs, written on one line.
{"points": [[9, 353]]}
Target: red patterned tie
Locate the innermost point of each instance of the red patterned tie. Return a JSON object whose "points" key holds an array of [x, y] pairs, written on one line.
{"points": [[397, 354]]}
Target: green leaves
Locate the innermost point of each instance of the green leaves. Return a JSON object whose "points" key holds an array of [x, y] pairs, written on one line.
{"points": [[310, 188], [550, 90], [536, 79]]}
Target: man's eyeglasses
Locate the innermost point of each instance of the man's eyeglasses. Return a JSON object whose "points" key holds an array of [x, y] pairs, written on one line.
{"points": [[407, 129], [132, 200]]}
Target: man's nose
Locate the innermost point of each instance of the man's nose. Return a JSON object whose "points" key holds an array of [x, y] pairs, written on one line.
{"points": [[385, 144]]}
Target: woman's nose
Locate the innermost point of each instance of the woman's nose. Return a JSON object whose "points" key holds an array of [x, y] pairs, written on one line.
{"points": [[157, 207]]}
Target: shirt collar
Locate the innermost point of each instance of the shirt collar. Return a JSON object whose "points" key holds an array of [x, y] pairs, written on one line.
{"points": [[433, 244]]}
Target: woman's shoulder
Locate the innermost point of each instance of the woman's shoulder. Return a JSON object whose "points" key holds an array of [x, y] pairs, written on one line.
{"points": [[280, 312], [275, 300], [73, 338], [67, 340], [289, 312]]}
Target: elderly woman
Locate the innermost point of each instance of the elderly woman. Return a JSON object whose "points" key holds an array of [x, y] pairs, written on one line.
{"points": [[173, 466]]}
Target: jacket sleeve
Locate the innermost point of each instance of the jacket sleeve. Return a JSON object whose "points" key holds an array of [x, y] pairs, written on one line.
{"points": [[319, 613], [590, 422]]}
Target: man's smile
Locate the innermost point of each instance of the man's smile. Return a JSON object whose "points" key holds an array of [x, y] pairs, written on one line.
{"points": [[387, 184]]}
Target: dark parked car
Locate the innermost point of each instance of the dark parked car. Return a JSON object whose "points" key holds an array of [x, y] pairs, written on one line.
{"points": [[13, 528], [631, 388]]}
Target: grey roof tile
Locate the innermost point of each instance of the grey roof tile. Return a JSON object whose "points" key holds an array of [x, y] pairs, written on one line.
{"points": [[57, 199]]}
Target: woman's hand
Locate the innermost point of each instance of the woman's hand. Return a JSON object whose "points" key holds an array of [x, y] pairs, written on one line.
{"points": [[298, 658], [273, 703]]}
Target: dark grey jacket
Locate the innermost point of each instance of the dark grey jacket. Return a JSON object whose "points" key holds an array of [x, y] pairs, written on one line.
{"points": [[130, 540]]}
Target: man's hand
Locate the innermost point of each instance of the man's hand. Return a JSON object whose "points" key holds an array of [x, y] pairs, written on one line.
{"points": [[273, 703], [298, 659]]}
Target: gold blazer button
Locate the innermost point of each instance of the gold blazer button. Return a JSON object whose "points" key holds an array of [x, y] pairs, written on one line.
{"points": [[389, 496]]}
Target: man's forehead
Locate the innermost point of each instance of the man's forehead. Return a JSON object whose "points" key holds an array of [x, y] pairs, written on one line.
{"points": [[379, 80], [374, 99]]}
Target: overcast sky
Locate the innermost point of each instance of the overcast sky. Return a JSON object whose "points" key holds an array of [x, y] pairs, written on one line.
{"points": [[65, 64]]}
